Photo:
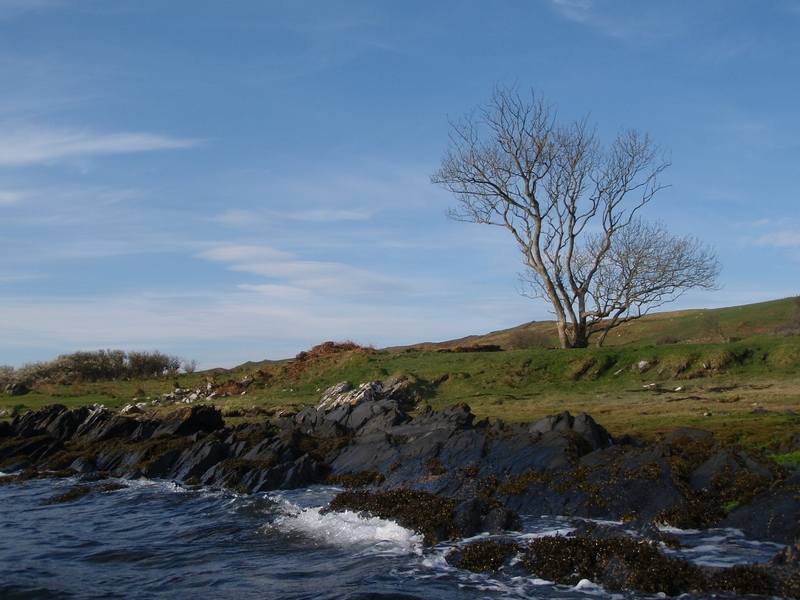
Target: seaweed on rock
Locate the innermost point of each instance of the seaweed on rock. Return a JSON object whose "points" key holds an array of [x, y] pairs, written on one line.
{"points": [[485, 556], [426, 513], [624, 563]]}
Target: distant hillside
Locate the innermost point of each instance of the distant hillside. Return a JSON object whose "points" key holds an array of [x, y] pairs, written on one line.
{"points": [[735, 371], [685, 326]]}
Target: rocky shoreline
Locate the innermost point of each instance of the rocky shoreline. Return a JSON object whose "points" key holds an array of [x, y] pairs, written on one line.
{"points": [[448, 476]]}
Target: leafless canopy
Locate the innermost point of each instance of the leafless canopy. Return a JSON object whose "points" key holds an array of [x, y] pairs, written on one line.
{"points": [[572, 206]]}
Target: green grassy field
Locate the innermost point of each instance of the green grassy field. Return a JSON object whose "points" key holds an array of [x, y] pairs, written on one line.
{"points": [[746, 390]]}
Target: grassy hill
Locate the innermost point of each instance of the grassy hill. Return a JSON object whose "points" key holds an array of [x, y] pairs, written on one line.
{"points": [[687, 326], [735, 371]]}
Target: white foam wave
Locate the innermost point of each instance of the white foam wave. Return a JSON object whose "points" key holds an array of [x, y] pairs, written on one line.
{"points": [[664, 528], [348, 528], [556, 531], [589, 587], [168, 485]]}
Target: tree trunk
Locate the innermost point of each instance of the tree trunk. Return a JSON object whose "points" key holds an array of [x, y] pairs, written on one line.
{"points": [[580, 338], [563, 337]]}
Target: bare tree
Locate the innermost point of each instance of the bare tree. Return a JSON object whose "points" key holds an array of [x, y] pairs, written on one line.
{"points": [[572, 207]]}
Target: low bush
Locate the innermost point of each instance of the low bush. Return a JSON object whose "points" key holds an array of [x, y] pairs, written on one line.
{"points": [[99, 365]]}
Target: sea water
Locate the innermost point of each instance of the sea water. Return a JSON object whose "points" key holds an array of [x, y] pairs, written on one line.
{"points": [[155, 539]]}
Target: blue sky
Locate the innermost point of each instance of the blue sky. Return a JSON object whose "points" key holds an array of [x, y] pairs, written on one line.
{"points": [[237, 181]]}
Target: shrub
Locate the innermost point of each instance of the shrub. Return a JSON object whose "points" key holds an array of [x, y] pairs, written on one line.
{"points": [[100, 365], [7, 375], [784, 357], [152, 364], [532, 338]]}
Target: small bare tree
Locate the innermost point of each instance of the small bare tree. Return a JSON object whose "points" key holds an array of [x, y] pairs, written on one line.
{"points": [[572, 207]]}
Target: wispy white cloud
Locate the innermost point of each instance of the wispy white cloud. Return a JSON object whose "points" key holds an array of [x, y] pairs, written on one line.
{"points": [[324, 215], [10, 196], [274, 292], [634, 22], [580, 11], [17, 277], [36, 252], [237, 217], [264, 325], [66, 205], [320, 277], [243, 254], [780, 239], [10, 8], [38, 145]]}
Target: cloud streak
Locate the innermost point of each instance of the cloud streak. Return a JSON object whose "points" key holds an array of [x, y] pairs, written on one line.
{"points": [[621, 24], [271, 323], [30, 146], [288, 271], [247, 218], [780, 239], [10, 197], [10, 8]]}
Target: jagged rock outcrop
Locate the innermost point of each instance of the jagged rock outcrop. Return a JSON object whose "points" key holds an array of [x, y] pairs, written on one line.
{"points": [[562, 464]]}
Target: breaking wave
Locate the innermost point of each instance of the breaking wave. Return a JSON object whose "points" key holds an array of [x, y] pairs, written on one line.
{"points": [[348, 528]]}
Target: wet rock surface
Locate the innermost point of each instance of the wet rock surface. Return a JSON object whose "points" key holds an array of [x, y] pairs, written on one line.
{"points": [[442, 473], [625, 563], [485, 556], [79, 491]]}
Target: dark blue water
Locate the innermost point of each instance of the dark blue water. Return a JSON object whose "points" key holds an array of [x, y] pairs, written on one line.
{"points": [[155, 539]]}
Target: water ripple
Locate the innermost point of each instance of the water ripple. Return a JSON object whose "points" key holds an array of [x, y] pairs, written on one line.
{"points": [[160, 540]]}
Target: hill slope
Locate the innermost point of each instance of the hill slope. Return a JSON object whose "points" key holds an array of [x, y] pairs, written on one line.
{"points": [[674, 369], [685, 326]]}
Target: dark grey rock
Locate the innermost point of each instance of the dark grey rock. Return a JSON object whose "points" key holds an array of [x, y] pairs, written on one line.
{"points": [[198, 459], [186, 421], [501, 519], [773, 515], [582, 424]]}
